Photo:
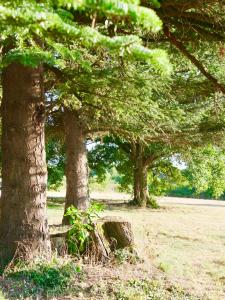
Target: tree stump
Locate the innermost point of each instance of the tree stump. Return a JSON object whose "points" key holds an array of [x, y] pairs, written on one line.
{"points": [[59, 243], [99, 249], [109, 234], [118, 232]]}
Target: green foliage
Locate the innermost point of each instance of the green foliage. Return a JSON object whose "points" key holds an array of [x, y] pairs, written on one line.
{"points": [[55, 156], [164, 176], [27, 22], [206, 170], [142, 16], [152, 202], [30, 57], [82, 223], [182, 191], [44, 279]]}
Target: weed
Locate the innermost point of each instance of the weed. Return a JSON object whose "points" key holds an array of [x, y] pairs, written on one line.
{"points": [[82, 224]]}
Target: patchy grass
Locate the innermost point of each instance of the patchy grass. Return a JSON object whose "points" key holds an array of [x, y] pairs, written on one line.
{"points": [[185, 244]]}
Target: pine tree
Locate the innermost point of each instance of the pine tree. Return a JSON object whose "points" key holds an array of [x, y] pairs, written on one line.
{"points": [[34, 35]]}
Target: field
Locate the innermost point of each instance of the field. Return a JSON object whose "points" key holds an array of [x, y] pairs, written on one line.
{"points": [[184, 244]]}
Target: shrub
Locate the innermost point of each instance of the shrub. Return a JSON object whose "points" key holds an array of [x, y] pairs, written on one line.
{"points": [[82, 224]]}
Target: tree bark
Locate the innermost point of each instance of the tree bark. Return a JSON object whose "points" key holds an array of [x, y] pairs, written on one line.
{"points": [[23, 222], [141, 194], [76, 163]]}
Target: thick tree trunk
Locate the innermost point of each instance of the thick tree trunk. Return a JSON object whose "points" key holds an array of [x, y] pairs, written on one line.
{"points": [[76, 163], [23, 223], [141, 195]]}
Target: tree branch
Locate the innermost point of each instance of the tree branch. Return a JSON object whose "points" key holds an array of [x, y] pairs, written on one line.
{"points": [[172, 39]]}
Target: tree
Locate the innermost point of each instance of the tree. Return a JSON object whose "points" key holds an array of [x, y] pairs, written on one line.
{"points": [[187, 120], [76, 162], [35, 34], [205, 170], [23, 223], [138, 164], [98, 105], [164, 12], [55, 155]]}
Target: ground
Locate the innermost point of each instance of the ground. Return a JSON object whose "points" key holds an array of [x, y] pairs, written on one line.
{"points": [[181, 246], [184, 239]]}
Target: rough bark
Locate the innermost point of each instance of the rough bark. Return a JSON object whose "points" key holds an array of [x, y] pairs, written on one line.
{"points": [[141, 194], [76, 163], [23, 221]]}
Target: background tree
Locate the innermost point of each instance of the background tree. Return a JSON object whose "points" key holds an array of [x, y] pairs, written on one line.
{"points": [[205, 168], [55, 155]]}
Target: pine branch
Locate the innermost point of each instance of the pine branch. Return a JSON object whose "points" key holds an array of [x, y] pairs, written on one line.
{"points": [[172, 39], [186, 4]]}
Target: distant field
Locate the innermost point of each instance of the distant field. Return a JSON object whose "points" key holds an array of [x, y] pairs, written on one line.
{"points": [[186, 242]]}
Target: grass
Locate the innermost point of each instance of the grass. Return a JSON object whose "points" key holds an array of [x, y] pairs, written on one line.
{"points": [[185, 243]]}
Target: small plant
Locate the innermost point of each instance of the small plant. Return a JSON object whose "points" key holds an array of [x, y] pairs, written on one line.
{"points": [[82, 225]]}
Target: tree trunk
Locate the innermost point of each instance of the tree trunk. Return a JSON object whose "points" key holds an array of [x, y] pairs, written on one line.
{"points": [[141, 194], [76, 163], [23, 222]]}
